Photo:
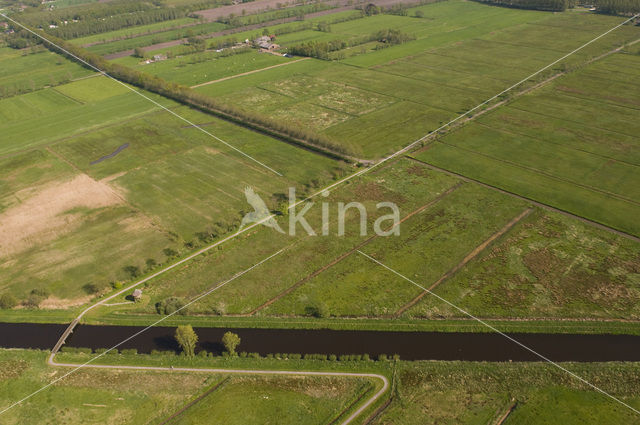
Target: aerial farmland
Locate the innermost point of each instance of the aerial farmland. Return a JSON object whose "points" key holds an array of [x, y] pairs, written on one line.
{"points": [[319, 212]]}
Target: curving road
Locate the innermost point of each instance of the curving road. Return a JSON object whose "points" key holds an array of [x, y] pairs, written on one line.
{"points": [[348, 420]]}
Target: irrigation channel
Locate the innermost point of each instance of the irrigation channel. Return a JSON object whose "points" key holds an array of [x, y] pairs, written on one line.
{"points": [[409, 345]]}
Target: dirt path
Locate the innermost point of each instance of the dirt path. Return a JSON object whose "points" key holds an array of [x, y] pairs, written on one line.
{"points": [[465, 260], [345, 255], [504, 417], [348, 420], [198, 399], [247, 73]]}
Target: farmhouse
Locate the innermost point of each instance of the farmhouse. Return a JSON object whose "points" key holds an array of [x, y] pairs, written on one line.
{"points": [[266, 42]]}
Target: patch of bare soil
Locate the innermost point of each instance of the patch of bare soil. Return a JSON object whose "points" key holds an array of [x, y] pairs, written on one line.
{"points": [[55, 303], [46, 213]]}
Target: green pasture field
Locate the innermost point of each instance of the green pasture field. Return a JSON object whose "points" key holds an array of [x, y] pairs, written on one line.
{"points": [[141, 397], [169, 184], [91, 396], [160, 37], [49, 115], [288, 400], [302, 254], [59, 4], [203, 67], [435, 392], [28, 70], [132, 31], [572, 144], [550, 266], [430, 244], [457, 61], [479, 393]]}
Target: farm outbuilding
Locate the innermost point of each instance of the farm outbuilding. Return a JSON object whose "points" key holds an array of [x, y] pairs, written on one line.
{"points": [[137, 294]]}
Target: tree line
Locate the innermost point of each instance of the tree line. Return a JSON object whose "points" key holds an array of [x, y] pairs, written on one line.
{"points": [[546, 5], [618, 7], [183, 94], [609, 7], [96, 18], [321, 49]]}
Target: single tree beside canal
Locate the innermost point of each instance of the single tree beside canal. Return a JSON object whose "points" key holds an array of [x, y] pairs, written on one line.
{"points": [[187, 338], [231, 342]]}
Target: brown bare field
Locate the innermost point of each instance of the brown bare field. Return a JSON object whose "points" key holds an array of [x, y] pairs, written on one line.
{"points": [[48, 212]]}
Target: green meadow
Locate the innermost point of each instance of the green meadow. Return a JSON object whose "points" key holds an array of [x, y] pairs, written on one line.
{"points": [[423, 392], [377, 100], [28, 70], [479, 393], [550, 266], [572, 144], [98, 218], [473, 243], [94, 396]]}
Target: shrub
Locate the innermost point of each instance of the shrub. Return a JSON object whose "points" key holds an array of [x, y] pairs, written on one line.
{"points": [[132, 271], [170, 253], [171, 305], [333, 357], [382, 357], [254, 355], [203, 353], [8, 301], [92, 288], [129, 351], [319, 310], [36, 296]]}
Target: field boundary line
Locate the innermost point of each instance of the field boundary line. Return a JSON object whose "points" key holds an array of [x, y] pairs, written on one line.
{"points": [[517, 133], [139, 93], [533, 201], [494, 329], [190, 404], [350, 406], [348, 253], [362, 408], [504, 417], [470, 256], [247, 73], [542, 173]]}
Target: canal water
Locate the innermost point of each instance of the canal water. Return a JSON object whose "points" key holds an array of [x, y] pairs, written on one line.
{"points": [[409, 345]]}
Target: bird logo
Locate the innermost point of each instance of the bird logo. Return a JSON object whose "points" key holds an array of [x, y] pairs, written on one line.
{"points": [[260, 213]]}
